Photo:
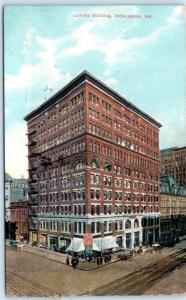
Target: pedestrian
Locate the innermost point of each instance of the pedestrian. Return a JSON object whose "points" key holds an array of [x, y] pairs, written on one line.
{"points": [[67, 260], [101, 260], [74, 265], [98, 261]]}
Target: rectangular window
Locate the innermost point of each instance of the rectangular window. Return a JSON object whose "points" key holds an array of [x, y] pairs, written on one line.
{"points": [[105, 226], [93, 227], [92, 194], [97, 194], [98, 227], [98, 210]]}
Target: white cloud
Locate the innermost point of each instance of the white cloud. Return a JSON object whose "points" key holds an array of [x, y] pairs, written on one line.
{"points": [[44, 72], [111, 81], [120, 49], [175, 16], [91, 37], [16, 150], [85, 38], [28, 40]]}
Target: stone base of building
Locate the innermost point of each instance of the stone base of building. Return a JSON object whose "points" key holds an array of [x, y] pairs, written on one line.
{"points": [[107, 232], [125, 240], [173, 226]]}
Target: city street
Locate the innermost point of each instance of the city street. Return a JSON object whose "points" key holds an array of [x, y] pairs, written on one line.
{"points": [[34, 275]]}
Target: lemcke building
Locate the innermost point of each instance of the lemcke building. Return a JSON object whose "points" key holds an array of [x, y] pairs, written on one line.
{"points": [[94, 170]]}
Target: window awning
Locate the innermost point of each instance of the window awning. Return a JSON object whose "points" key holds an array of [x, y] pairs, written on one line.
{"points": [[77, 245], [105, 243]]}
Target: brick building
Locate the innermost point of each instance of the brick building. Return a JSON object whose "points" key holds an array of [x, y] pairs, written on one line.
{"points": [[19, 217], [173, 208], [15, 191], [173, 163], [94, 168]]}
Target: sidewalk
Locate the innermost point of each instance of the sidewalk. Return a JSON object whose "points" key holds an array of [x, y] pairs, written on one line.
{"points": [[83, 265]]}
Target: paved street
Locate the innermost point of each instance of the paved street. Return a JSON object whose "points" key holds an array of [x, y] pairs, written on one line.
{"points": [[42, 276]]}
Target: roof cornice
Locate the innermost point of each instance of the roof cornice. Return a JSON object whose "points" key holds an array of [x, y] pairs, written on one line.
{"points": [[82, 77]]}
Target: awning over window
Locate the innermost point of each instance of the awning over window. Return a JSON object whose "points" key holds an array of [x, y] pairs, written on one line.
{"points": [[107, 242], [95, 247], [77, 245]]}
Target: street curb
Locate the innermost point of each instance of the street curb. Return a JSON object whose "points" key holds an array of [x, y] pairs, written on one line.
{"points": [[61, 262]]}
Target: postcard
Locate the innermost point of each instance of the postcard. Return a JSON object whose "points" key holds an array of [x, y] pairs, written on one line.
{"points": [[95, 150]]}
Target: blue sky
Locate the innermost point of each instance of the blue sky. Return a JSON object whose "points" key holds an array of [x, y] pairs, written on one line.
{"points": [[141, 58]]}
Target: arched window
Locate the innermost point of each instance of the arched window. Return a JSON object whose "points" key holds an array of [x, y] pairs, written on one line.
{"points": [[156, 178], [107, 167], [128, 224], [79, 165], [95, 164], [136, 223]]}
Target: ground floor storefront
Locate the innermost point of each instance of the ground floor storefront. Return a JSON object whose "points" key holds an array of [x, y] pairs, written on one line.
{"points": [[173, 226], [104, 233]]}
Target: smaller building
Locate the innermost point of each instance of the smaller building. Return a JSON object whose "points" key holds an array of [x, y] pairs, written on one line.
{"points": [[19, 190], [173, 208], [8, 181], [16, 190], [173, 163], [19, 220]]}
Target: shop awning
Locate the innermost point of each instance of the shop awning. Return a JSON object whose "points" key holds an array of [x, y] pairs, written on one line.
{"points": [[95, 247], [77, 245], [105, 243]]}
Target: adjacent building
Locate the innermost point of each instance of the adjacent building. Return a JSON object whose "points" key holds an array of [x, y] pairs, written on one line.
{"points": [[94, 170], [173, 163], [16, 195], [173, 208], [19, 217], [8, 181], [19, 190]]}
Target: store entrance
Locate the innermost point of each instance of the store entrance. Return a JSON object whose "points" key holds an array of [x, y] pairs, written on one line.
{"points": [[53, 243]]}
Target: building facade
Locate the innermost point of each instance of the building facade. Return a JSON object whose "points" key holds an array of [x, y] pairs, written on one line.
{"points": [[19, 217], [8, 181], [173, 208], [16, 190], [19, 190], [94, 169], [173, 163]]}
